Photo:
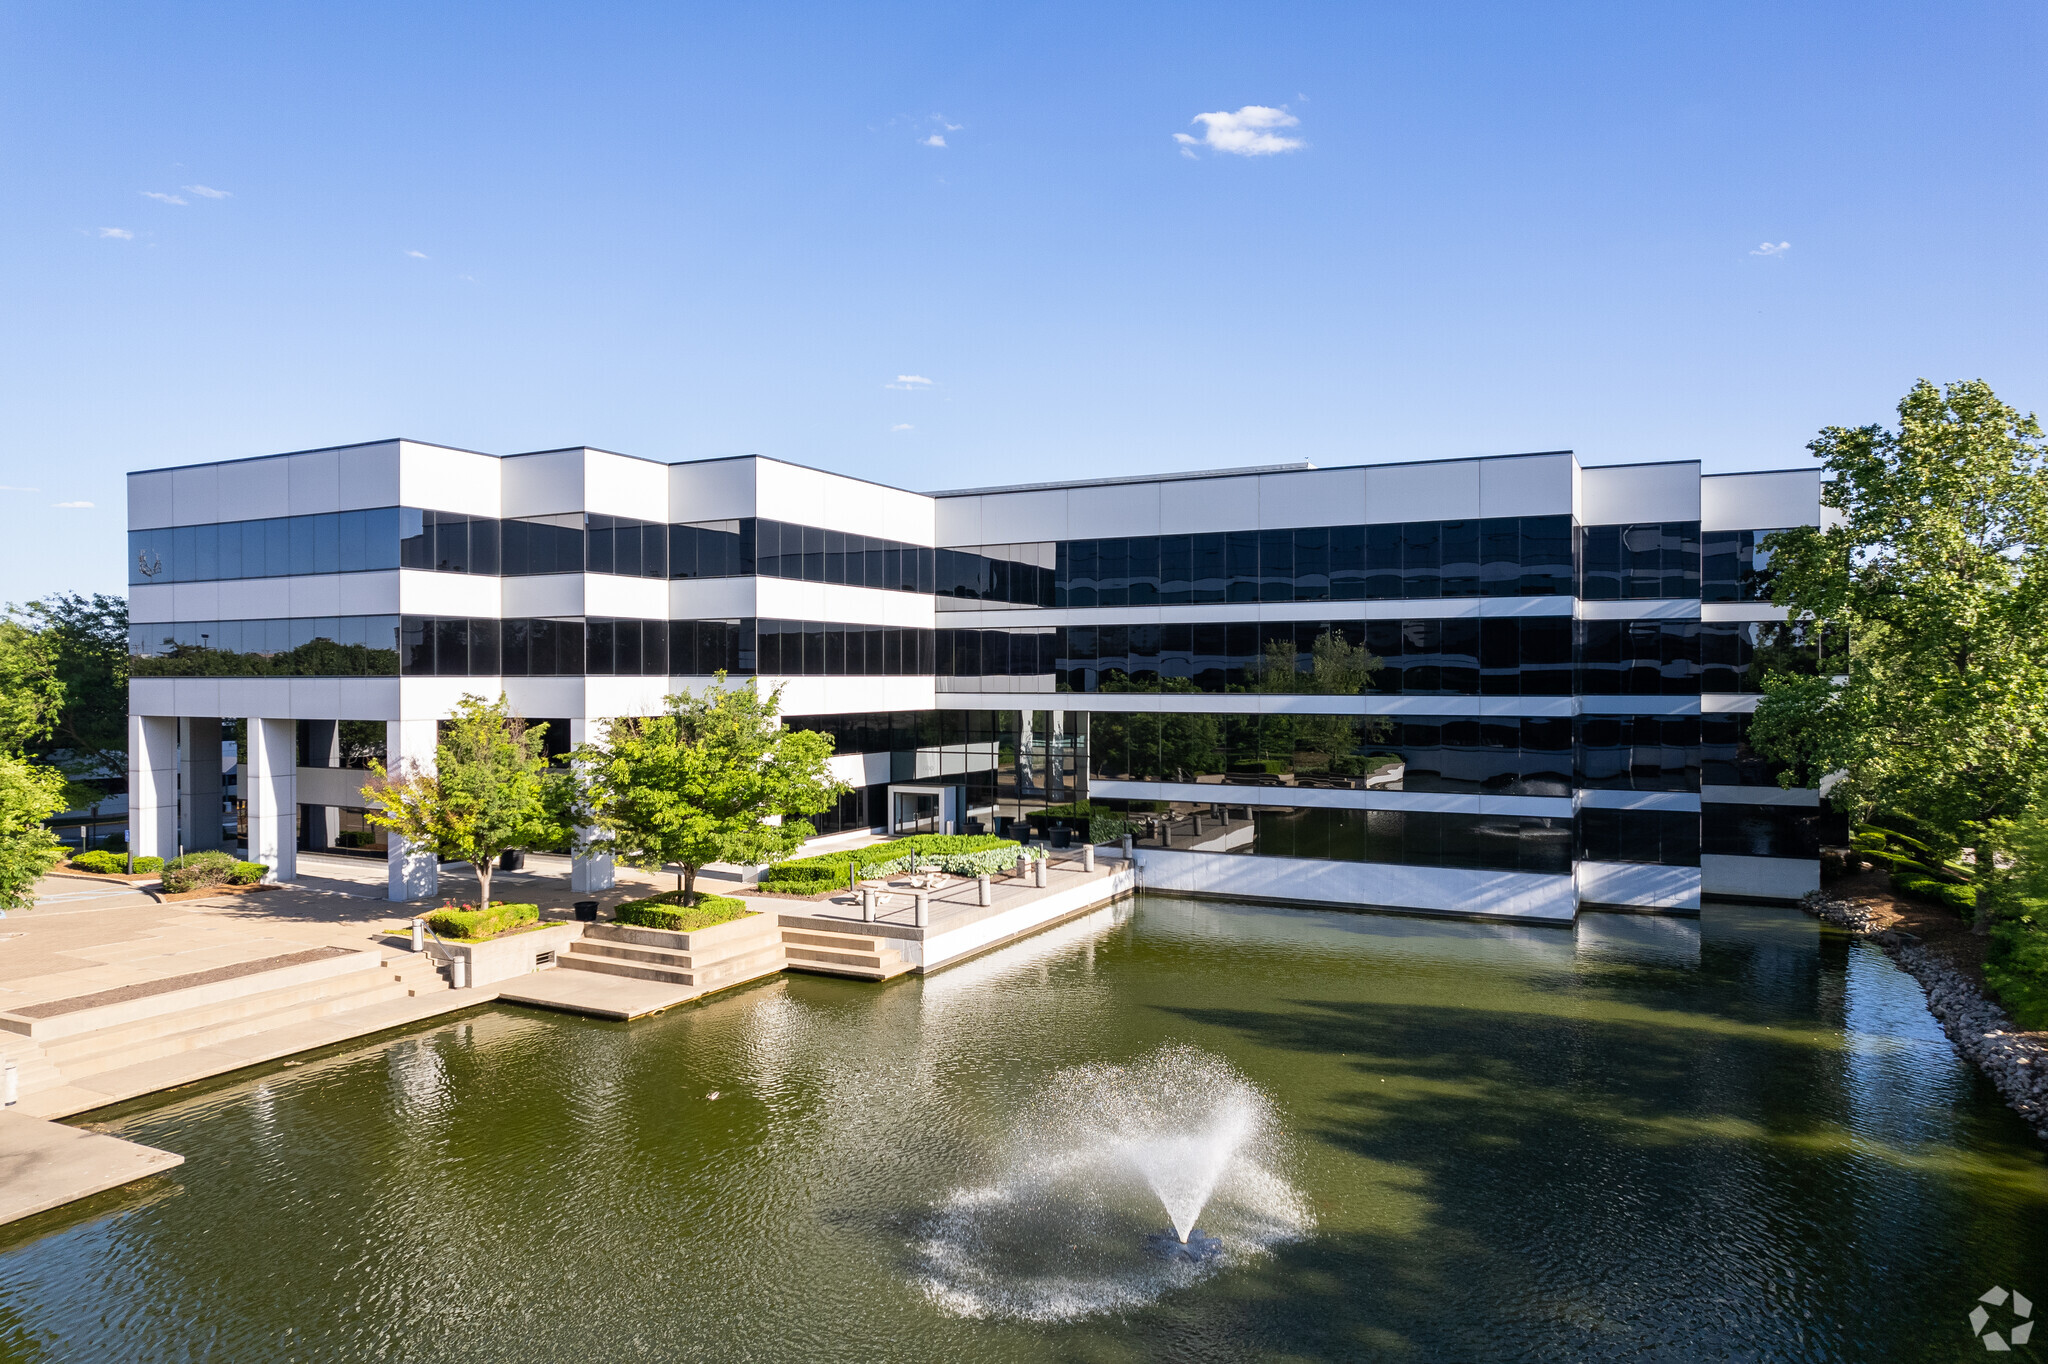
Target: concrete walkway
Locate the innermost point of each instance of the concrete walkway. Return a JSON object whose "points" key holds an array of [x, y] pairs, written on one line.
{"points": [[44, 1165]]}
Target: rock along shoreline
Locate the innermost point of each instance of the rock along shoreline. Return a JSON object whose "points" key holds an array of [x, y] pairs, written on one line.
{"points": [[1978, 1028]]}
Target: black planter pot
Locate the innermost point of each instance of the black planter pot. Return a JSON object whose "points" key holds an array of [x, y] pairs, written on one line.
{"points": [[512, 859], [586, 911]]}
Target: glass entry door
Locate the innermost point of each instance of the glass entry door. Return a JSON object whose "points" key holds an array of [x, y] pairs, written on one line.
{"points": [[916, 812]]}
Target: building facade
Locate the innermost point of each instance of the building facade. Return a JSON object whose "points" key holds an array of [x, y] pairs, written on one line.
{"points": [[1505, 686]]}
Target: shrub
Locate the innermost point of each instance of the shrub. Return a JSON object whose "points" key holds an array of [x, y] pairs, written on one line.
{"points": [[2016, 966], [104, 863], [248, 873], [830, 871], [198, 871], [471, 924], [143, 864], [1957, 899], [668, 911]]}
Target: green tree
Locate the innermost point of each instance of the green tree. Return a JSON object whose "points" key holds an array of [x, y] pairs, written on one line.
{"points": [[488, 791], [29, 795], [31, 694], [87, 638], [701, 783], [1935, 570]]}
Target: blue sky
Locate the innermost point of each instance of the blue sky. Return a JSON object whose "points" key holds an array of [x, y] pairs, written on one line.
{"points": [[686, 231]]}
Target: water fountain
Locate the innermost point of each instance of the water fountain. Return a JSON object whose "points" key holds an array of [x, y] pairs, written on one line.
{"points": [[1070, 1224]]}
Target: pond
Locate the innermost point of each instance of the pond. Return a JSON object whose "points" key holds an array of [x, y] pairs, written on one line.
{"points": [[1736, 1137]]}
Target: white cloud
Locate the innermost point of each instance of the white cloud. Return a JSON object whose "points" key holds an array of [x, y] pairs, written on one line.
{"points": [[205, 193], [417, 255], [903, 426], [1248, 132], [118, 233], [935, 140], [71, 504], [1767, 249], [910, 383], [161, 198]]}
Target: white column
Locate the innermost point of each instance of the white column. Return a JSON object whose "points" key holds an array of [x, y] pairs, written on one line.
{"points": [[595, 872], [271, 788], [153, 786], [199, 784], [408, 746]]}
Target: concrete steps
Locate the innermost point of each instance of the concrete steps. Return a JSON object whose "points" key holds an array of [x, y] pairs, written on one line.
{"points": [[864, 956], [257, 1007], [704, 960]]}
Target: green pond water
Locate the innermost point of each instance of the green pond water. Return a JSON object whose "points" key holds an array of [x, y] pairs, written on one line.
{"points": [[1739, 1138]]}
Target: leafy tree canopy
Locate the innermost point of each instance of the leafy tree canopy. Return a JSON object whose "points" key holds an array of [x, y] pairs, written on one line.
{"points": [[30, 692], [701, 783], [87, 643], [29, 794], [1935, 564], [488, 791]]}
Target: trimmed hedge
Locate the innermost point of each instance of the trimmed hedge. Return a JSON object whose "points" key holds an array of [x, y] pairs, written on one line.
{"points": [[472, 924], [668, 911], [829, 871], [143, 864], [1961, 900], [103, 863]]}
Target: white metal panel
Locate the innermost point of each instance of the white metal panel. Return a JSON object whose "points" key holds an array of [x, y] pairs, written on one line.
{"points": [[1639, 885], [544, 484], [1526, 485], [261, 489], [909, 517], [957, 521], [1758, 878], [785, 600], [1316, 497], [1623, 493], [619, 485], [152, 602], [606, 698], [1437, 491], [364, 698], [368, 476], [1760, 501], [713, 598], [196, 601], [315, 698], [607, 594], [195, 495], [1743, 610], [711, 490], [421, 593], [1007, 518], [449, 480], [545, 594], [1505, 895], [152, 500], [783, 492], [1675, 608], [850, 695], [318, 596], [1804, 797], [316, 481], [252, 599], [1118, 509], [1195, 506]]}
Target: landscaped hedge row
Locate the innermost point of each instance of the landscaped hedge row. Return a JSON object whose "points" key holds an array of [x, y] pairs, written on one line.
{"points": [[1960, 900], [987, 862], [114, 864], [204, 870], [470, 924], [830, 871], [668, 911]]}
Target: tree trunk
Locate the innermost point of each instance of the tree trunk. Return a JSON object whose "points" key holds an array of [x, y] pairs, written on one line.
{"points": [[483, 879], [689, 884]]}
